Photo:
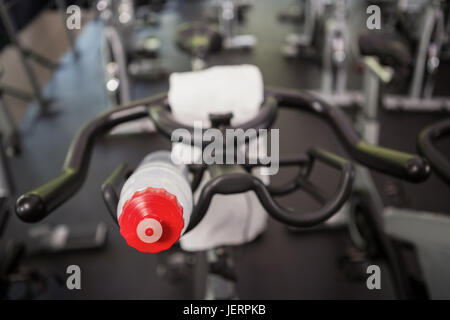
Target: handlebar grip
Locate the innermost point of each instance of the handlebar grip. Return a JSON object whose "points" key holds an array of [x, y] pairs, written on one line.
{"points": [[410, 167], [37, 204], [427, 137]]}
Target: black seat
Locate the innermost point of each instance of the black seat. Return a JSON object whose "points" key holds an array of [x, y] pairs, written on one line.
{"points": [[146, 47], [390, 48]]}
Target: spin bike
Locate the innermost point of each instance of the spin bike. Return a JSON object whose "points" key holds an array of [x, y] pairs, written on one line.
{"points": [[325, 33], [201, 39], [412, 46], [36, 204], [373, 225], [229, 14], [428, 232], [125, 54]]}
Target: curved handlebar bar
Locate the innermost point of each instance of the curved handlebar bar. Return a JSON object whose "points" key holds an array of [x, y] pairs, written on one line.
{"points": [[426, 140], [402, 165], [38, 203], [235, 179], [240, 182], [166, 124]]}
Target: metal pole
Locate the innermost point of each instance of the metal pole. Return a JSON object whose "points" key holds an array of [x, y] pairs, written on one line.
{"points": [[8, 130], [5, 178], [15, 92], [416, 89]]}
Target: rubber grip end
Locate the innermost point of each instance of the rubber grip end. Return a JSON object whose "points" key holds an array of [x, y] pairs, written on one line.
{"points": [[418, 169], [30, 208]]}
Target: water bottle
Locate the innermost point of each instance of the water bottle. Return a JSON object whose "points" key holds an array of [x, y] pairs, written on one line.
{"points": [[155, 204]]}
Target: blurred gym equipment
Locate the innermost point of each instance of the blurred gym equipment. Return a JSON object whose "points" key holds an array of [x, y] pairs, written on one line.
{"points": [[310, 14], [8, 129], [12, 253], [412, 46], [324, 32], [372, 224], [199, 40], [25, 54], [125, 53], [230, 14], [428, 232]]}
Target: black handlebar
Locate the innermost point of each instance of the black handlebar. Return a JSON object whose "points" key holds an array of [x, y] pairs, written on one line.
{"points": [[402, 165], [427, 138], [166, 124], [38, 203], [235, 179], [232, 180]]}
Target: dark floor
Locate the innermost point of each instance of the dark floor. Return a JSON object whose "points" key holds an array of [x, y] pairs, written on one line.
{"points": [[281, 264]]}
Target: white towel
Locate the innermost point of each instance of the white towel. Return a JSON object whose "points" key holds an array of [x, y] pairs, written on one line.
{"points": [[237, 89], [231, 219]]}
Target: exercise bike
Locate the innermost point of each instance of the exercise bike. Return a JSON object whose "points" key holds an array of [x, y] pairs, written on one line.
{"points": [[231, 179], [325, 33], [373, 225], [201, 39], [229, 15], [125, 54], [413, 50]]}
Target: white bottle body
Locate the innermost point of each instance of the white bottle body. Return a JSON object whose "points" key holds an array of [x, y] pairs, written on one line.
{"points": [[158, 171]]}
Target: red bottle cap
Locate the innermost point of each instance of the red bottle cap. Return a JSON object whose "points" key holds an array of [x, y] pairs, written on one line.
{"points": [[152, 220]]}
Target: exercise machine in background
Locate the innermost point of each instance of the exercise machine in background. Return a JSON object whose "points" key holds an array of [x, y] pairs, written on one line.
{"points": [[373, 225], [202, 39], [126, 53], [12, 252], [428, 232], [26, 54], [412, 46], [306, 16], [230, 15], [8, 128], [324, 32]]}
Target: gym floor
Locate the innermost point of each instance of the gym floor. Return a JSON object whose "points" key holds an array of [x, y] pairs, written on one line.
{"points": [[282, 263]]}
